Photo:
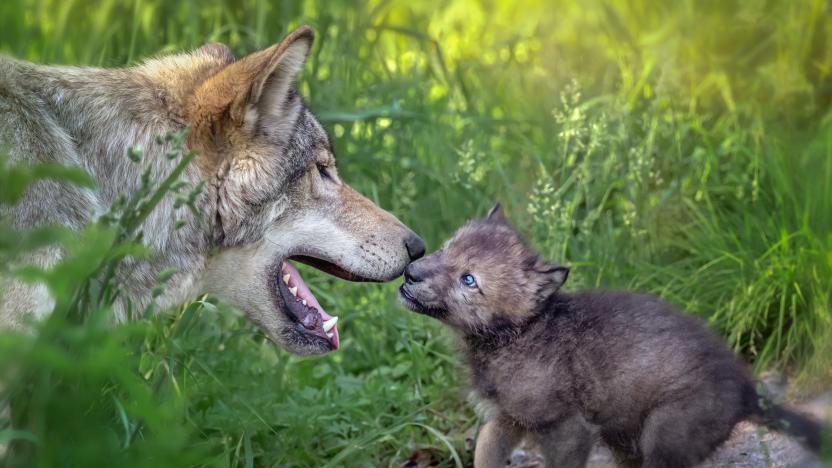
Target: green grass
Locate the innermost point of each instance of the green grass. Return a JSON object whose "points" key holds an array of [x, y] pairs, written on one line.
{"points": [[679, 147]]}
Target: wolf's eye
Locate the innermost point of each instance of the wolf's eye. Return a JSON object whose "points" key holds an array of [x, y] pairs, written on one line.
{"points": [[324, 172], [468, 280]]}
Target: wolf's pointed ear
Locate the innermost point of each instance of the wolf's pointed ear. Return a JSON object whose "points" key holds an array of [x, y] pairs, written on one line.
{"points": [[284, 62], [496, 215], [257, 84]]}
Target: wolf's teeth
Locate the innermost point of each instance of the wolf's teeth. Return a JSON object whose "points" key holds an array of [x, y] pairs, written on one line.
{"points": [[294, 290], [330, 323], [303, 302], [330, 335], [286, 278]]}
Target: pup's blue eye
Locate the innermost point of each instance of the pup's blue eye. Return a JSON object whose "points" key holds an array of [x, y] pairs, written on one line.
{"points": [[468, 280]]}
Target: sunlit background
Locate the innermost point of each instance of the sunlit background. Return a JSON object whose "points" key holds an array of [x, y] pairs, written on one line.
{"points": [[679, 147]]}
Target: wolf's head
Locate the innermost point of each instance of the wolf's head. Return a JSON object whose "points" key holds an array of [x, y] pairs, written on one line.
{"points": [[279, 196], [484, 278]]}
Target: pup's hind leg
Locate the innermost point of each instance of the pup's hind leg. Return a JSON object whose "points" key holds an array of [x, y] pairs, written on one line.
{"points": [[495, 442], [624, 447], [683, 433], [568, 444]]}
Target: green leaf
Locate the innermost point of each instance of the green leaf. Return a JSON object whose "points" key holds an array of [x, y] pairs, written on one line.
{"points": [[166, 274], [16, 179], [8, 435]]}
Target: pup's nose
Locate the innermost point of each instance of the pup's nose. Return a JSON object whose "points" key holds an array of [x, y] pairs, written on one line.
{"points": [[411, 274], [415, 246]]}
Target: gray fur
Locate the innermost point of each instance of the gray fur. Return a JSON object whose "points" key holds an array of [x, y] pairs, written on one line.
{"points": [[272, 189], [655, 384]]}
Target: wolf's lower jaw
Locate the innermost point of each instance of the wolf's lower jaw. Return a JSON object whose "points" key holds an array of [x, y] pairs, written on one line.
{"points": [[303, 308]]}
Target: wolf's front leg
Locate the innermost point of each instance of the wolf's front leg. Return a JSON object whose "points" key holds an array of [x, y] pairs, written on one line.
{"points": [[568, 444], [495, 442]]}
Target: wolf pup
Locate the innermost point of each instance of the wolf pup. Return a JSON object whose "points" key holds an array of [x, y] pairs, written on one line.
{"points": [[657, 386]]}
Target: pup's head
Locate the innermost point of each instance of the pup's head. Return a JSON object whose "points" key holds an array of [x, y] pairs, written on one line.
{"points": [[484, 279], [275, 191]]}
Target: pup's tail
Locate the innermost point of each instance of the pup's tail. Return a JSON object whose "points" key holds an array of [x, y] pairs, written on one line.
{"points": [[781, 419]]}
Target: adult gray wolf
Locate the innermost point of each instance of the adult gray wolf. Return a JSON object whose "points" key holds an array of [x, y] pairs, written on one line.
{"points": [[272, 189], [659, 388]]}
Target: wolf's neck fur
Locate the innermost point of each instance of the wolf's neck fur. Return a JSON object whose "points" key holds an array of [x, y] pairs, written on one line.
{"points": [[103, 112], [89, 117]]}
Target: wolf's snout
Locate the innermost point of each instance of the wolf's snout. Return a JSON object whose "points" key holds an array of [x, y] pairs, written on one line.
{"points": [[413, 273], [415, 246]]}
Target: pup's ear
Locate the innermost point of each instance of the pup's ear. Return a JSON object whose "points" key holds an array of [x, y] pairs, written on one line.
{"points": [[553, 277], [496, 215], [253, 86], [558, 275]]}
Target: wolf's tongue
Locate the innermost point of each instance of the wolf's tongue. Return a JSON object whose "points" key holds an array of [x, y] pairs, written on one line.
{"points": [[317, 316]]}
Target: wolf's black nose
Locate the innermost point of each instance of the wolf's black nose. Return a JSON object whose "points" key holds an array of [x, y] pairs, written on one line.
{"points": [[411, 274], [415, 246]]}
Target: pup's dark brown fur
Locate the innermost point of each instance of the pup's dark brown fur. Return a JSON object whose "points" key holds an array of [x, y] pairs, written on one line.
{"points": [[657, 386]]}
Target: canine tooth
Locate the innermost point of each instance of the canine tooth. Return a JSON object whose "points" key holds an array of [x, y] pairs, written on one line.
{"points": [[330, 323], [286, 278], [330, 335], [303, 302], [294, 290]]}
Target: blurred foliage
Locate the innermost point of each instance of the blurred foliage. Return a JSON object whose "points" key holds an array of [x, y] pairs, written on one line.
{"points": [[680, 147]]}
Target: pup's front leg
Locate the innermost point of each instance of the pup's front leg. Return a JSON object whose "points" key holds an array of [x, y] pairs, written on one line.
{"points": [[495, 442], [568, 444]]}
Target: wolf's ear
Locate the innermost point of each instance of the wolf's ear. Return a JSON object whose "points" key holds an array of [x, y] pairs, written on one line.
{"points": [[255, 85], [284, 61], [496, 215]]}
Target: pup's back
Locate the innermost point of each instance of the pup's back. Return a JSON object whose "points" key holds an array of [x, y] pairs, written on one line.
{"points": [[642, 353]]}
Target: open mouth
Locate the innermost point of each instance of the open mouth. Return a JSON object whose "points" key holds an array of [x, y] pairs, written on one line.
{"points": [[303, 308], [311, 321]]}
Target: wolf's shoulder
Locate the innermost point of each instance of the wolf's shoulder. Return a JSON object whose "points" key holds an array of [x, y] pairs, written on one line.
{"points": [[17, 78], [8, 77]]}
